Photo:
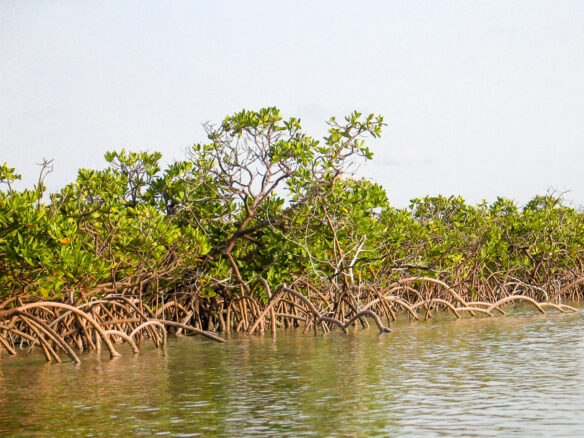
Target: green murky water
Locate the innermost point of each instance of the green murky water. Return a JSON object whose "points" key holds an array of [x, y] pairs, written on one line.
{"points": [[521, 375]]}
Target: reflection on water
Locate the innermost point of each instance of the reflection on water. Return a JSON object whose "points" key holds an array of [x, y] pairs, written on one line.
{"points": [[519, 375]]}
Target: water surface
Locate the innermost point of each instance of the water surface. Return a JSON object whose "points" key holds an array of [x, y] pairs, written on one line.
{"points": [[519, 375]]}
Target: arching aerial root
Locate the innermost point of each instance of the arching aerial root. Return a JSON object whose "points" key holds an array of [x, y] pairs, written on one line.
{"points": [[117, 318], [58, 326]]}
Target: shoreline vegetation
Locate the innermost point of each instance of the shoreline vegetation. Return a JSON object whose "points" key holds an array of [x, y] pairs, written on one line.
{"points": [[262, 227]]}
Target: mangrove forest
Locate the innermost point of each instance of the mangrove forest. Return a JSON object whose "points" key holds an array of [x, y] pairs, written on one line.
{"points": [[262, 227]]}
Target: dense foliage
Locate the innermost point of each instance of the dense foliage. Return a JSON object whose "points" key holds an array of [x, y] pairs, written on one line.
{"points": [[261, 199], [263, 204]]}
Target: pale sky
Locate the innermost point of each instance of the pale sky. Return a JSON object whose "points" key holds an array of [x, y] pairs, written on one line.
{"points": [[482, 98]]}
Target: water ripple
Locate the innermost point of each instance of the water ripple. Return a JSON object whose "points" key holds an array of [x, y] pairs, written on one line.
{"points": [[513, 376]]}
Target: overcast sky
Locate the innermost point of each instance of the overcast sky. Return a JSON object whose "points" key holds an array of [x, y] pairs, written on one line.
{"points": [[482, 98]]}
